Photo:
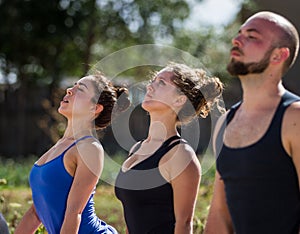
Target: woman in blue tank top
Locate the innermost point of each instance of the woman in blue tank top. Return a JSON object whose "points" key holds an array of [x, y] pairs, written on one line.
{"points": [[158, 183], [64, 179]]}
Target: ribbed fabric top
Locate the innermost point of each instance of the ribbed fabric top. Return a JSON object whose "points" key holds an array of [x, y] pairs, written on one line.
{"points": [[261, 182]]}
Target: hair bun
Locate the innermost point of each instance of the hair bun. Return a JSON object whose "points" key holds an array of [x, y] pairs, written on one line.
{"points": [[123, 101]]}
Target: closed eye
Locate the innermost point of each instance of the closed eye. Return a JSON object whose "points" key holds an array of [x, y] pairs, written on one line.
{"points": [[77, 87], [162, 82], [251, 37], [80, 85]]}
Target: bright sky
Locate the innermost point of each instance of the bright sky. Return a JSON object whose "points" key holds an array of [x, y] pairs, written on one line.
{"points": [[212, 12]]}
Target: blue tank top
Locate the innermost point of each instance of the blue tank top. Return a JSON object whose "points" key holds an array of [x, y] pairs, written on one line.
{"points": [[50, 184], [261, 183], [147, 198]]}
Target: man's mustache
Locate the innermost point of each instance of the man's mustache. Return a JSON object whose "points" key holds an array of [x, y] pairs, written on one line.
{"points": [[237, 49]]}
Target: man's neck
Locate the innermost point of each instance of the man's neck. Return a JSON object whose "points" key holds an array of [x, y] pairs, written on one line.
{"points": [[261, 91]]}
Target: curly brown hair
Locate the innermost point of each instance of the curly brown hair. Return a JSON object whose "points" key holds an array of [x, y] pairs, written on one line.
{"points": [[202, 91]]}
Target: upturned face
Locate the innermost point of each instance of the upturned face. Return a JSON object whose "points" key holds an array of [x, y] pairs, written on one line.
{"points": [[78, 99], [161, 93], [252, 47]]}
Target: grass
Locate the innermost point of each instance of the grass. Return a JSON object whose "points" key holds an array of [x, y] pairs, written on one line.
{"points": [[15, 194]]}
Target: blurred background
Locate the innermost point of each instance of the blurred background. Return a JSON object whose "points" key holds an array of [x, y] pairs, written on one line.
{"points": [[47, 45]]}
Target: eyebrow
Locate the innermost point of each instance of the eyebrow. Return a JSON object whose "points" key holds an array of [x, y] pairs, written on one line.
{"points": [[250, 30], [162, 78], [170, 82], [81, 84]]}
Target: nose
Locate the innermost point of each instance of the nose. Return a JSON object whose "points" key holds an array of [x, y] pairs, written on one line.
{"points": [[69, 91], [149, 87], [237, 41]]}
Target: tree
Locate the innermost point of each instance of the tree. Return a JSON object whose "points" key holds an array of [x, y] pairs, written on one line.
{"points": [[41, 42]]}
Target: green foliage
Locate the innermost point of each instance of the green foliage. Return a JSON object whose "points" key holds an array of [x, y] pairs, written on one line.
{"points": [[43, 41], [34, 36], [210, 46], [14, 172]]}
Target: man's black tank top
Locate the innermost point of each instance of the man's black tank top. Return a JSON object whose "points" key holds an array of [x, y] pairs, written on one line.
{"points": [[147, 198], [261, 182]]}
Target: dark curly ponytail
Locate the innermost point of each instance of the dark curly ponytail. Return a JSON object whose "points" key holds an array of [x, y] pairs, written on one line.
{"points": [[113, 99]]}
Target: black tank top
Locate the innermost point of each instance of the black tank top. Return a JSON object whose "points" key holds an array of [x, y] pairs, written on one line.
{"points": [[261, 182], [147, 198]]}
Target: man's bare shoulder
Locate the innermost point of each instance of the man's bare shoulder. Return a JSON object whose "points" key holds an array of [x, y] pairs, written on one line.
{"points": [[293, 112], [291, 127]]}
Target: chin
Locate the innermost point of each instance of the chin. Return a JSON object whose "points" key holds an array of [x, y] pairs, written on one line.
{"points": [[62, 111], [153, 106], [144, 105], [150, 105]]}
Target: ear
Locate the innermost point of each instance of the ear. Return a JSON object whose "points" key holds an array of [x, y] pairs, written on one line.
{"points": [[98, 109], [180, 101], [280, 55]]}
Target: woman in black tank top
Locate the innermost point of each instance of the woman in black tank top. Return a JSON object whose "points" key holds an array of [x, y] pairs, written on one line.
{"points": [[158, 183]]}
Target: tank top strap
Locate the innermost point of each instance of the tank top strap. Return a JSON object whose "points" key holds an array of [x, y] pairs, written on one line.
{"points": [[220, 134], [289, 98], [231, 112], [82, 138], [136, 148], [286, 100], [169, 147], [166, 147], [75, 142], [173, 141], [169, 140], [166, 143]]}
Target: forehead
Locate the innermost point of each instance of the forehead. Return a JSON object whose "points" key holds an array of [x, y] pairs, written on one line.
{"points": [[261, 26], [165, 74], [86, 81]]}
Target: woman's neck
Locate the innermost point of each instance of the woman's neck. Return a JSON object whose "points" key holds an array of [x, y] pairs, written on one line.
{"points": [[77, 131], [160, 131]]}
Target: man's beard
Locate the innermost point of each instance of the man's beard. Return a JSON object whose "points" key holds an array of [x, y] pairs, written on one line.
{"points": [[236, 68]]}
